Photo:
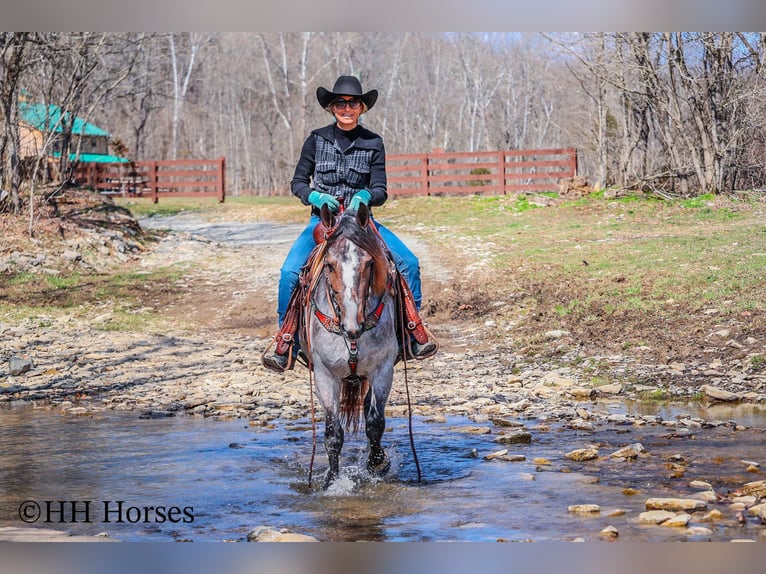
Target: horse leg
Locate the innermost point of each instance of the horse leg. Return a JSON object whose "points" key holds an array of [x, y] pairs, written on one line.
{"points": [[333, 443], [375, 423]]}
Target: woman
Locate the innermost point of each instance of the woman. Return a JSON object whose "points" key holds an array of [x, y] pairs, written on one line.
{"points": [[342, 164]]}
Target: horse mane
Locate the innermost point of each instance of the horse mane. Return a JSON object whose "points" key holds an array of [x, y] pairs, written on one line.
{"points": [[367, 239]]}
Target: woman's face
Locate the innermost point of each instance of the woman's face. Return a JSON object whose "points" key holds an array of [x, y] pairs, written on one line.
{"points": [[347, 110]]}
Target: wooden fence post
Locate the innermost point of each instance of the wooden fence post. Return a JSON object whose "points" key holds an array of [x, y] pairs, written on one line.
{"points": [[221, 176], [425, 181], [501, 169], [153, 180], [574, 162]]}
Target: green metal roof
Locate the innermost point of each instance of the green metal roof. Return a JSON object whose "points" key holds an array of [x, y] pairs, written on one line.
{"points": [[95, 158], [36, 115]]}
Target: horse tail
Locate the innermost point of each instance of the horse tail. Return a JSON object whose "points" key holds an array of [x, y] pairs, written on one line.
{"points": [[352, 394]]}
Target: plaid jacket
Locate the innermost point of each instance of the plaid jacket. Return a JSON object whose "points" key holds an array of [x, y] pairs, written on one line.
{"points": [[323, 166]]}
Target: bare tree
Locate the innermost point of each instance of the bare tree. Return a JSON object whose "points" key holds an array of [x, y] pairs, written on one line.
{"points": [[13, 62]]}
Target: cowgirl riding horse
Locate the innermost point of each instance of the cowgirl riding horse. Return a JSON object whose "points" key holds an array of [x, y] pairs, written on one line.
{"points": [[342, 166]]}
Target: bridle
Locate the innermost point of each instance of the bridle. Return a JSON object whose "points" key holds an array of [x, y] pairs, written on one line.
{"points": [[333, 324]]}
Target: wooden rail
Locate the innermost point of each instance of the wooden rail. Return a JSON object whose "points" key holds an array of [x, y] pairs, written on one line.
{"points": [[495, 172], [155, 179]]}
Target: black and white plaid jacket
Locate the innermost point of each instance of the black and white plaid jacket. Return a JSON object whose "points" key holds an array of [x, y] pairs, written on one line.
{"points": [[325, 167]]}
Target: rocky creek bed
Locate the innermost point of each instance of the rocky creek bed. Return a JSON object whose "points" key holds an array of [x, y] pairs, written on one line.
{"points": [[204, 361]]}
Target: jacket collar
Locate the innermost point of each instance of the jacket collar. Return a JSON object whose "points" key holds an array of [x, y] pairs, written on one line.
{"points": [[365, 140]]}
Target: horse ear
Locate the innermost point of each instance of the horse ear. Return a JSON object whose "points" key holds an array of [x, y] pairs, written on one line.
{"points": [[327, 217], [363, 215]]}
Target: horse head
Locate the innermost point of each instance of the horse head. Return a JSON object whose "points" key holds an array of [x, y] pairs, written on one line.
{"points": [[355, 265]]}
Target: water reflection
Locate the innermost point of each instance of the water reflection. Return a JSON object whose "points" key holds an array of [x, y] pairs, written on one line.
{"points": [[234, 477]]}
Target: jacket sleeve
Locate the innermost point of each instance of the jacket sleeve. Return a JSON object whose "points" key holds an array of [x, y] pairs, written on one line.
{"points": [[300, 185], [377, 189]]}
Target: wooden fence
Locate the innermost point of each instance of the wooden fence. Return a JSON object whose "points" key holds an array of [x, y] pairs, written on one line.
{"points": [[155, 179], [494, 172]]}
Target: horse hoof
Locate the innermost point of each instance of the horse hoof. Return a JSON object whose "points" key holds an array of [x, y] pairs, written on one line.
{"points": [[379, 468], [329, 479]]}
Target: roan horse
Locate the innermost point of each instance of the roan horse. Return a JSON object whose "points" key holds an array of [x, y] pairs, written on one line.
{"points": [[349, 333]]}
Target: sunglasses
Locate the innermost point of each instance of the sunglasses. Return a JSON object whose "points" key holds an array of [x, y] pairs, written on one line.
{"points": [[353, 104]]}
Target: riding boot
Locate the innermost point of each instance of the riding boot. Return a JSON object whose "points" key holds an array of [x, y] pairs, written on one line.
{"points": [[421, 344], [283, 357], [275, 362]]}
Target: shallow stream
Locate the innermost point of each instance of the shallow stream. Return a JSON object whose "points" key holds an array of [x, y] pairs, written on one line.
{"points": [[226, 477]]}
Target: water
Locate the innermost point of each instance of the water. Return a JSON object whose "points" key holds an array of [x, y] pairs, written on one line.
{"points": [[226, 477]]}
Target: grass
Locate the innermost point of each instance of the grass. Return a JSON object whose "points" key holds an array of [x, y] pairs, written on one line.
{"points": [[640, 252], [128, 296]]}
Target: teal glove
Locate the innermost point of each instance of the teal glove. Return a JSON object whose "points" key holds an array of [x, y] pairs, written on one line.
{"points": [[318, 199], [361, 196]]}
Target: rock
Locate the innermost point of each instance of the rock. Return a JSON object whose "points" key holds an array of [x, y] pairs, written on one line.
{"points": [[75, 411], [700, 485], [618, 418], [472, 430], [580, 424], [699, 531], [706, 495], [506, 422], [584, 508], [758, 510], [613, 389], [19, 365], [713, 516], [156, 414], [268, 534], [496, 454], [609, 533], [757, 488], [676, 504], [679, 520], [556, 334], [717, 394], [748, 500], [517, 437], [655, 516], [71, 255], [580, 392], [436, 419], [582, 454], [629, 452]]}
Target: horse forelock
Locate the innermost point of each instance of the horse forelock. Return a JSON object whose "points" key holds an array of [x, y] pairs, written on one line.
{"points": [[365, 238]]}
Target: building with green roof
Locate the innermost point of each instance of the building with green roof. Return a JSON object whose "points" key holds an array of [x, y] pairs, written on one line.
{"points": [[38, 121]]}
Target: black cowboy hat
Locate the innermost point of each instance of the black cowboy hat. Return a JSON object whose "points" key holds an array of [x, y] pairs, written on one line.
{"points": [[346, 86]]}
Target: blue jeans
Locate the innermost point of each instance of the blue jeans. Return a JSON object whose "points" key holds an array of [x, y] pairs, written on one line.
{"points": [[406, 261]]}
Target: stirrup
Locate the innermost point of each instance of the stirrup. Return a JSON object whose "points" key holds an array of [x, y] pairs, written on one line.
{"points": [[275, 362], [417, 350], [423, 351]]}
